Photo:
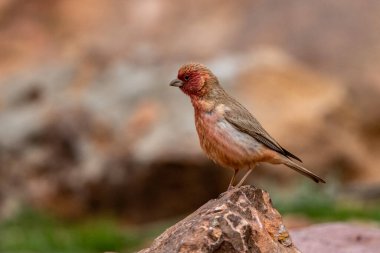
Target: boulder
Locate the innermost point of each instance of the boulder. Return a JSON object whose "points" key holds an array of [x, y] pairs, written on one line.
{"points": [[240, 220]]}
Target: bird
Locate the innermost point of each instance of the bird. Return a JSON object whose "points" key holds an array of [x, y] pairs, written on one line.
{"points": [[228, 133]]}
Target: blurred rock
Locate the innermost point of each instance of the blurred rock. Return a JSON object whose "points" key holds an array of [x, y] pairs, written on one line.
{"points": [[109, 145], [337, 238], [89, 124], [240, 220]]}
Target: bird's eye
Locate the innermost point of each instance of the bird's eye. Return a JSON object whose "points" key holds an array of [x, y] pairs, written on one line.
{"points": [[186, 78]]}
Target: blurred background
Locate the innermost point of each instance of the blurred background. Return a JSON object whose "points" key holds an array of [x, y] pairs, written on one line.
{"points": [[98, 153]]}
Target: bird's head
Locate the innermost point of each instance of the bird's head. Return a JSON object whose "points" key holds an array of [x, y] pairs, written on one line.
{"points": [[194, 79]]}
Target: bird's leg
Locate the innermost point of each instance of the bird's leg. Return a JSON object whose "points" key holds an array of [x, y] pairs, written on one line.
{"points": [[245, 176], [230, 186]]}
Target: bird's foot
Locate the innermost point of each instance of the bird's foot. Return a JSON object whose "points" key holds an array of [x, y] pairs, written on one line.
{"points": [[244, 177], [231, 185]]}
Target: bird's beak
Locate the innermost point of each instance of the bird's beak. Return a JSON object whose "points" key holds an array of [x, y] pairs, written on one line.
{"points": [[176, 82]]}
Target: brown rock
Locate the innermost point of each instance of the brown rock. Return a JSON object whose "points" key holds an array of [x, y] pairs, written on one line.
{"points": [[240, 220]]}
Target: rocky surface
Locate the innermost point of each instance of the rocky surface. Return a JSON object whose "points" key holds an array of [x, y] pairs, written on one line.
{"points": [[337, 238], [240, 220]]}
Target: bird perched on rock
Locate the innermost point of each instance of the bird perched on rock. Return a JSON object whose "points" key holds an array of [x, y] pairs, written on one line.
{"points": [[228, 133]]}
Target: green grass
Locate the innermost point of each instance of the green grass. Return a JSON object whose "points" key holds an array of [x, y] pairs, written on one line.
{"points": [[33, 232], [323, 204]]}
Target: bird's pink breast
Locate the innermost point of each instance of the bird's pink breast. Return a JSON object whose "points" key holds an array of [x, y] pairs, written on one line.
{"points": [[223, 143]]}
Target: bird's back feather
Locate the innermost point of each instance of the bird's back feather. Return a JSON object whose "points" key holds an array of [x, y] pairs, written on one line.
{"points": [[244, 121]]}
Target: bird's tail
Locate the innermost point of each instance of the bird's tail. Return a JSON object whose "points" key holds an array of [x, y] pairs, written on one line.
{"points": [[303, 171]]}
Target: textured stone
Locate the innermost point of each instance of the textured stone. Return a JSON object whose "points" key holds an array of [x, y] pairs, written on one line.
{"points": [[240, 220]]}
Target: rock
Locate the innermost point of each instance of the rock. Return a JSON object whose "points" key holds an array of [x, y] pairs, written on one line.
{"points": [[240, 220], [337, 238]]}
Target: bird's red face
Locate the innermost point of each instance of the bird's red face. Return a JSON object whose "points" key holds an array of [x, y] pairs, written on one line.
{"points": [[192, 79]]}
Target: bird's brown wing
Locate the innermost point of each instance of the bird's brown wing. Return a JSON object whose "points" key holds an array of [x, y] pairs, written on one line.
{"points": [[243, 121]]}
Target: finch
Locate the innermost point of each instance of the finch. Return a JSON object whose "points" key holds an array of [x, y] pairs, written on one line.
{"points": [[228, 133]]}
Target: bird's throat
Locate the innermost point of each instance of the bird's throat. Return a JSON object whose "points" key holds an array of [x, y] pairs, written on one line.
{"points": [[202, 105]]}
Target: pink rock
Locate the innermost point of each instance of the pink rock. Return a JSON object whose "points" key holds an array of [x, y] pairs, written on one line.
{"points": [[337, 238]]}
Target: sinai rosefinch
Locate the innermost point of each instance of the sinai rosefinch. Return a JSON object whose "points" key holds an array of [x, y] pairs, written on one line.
{"points": [[227, 132]]}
